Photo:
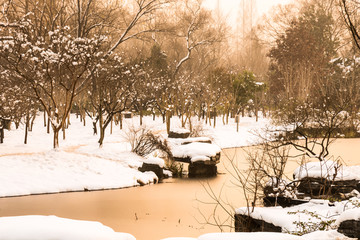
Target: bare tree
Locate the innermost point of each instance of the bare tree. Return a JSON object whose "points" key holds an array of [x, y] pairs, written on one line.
{"points": [[350, 12]]}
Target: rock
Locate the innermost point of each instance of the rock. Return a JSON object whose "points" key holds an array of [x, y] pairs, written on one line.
{"points": [[179, 133], [200, 169], [154, 168], [321, 186], [244, 223], [282, 201], [350, 228]]}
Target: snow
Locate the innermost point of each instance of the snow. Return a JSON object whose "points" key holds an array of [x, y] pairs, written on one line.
{"points": [[195, 149], [351, 214], [155, 160], [314, 211], [79, 164], [180, 238], [184, 141], [325, 235], [59, 171], [318, 235], [180, 130], [327, 169], [52, 227], [249, 236]]}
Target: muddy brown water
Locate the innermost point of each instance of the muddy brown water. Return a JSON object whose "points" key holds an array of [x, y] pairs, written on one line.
{"points": [[173, 208]]}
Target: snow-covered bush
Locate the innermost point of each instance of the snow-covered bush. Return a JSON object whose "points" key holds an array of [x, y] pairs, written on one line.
{"points": [[143, 141]]}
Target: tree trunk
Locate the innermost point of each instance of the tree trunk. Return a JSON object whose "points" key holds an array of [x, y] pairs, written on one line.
{"points": [[44, 118], [26, 128], [63, 130], [121, 121], [94, 128], [214, 118], [102, 136], [103, 125], [102, 130], [1, 135], [141, 117], [154, 116], [163, 117], [168, 122], [56, 137], [68, 121], [227, 116], [48, 126], [32, 122], [111, 126]]}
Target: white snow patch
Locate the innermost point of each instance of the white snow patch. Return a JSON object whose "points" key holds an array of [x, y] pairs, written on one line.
{"points": [[195, 149], [180, 130], [325, 235], [327, 169], [351, 214], [285, 217], [155, 160], [249, 236], [180, 238], [52, 227], [200, 159]]}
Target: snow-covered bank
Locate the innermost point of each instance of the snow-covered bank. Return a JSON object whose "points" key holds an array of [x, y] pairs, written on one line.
{"points": [[59, 171], [51, 227], [79, 164], [319, 235]]}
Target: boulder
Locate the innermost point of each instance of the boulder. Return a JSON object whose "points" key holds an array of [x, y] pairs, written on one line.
{"points": [[179, 133], [321, 186], [159, 171], [282, 201], [350, 228], [200, 169], [245, 223]]}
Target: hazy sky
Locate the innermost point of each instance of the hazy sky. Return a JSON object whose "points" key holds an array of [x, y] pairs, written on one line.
{"points": [[230, 7]]}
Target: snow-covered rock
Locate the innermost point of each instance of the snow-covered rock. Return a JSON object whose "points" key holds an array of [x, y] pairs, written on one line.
{"points": [[249, 236], [327, 169], [312, 212]]}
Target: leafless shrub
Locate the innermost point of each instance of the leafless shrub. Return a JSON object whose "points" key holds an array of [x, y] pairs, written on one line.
{"points": [[143, 141]]}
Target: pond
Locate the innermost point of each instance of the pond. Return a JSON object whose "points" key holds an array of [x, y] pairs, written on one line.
{"points": [[173, 208]]}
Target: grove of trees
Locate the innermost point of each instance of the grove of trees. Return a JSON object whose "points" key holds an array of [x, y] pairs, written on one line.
{"points": [[176, 58]]}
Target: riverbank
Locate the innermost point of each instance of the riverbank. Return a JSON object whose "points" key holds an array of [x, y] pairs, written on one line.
{"points": [[80, 165]]}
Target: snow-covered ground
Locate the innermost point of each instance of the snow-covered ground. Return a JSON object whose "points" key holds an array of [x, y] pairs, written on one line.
{"points": [[51, 227], [79, 164]]}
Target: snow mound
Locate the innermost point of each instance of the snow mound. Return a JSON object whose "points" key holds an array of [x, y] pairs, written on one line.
{"points": [[314, 211], [327, 169], [52, 227], [180, 238], [351, 214], [155, 160], [60, 171], [325, 235], [180, 130], [249, 236], [195, 149]]}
